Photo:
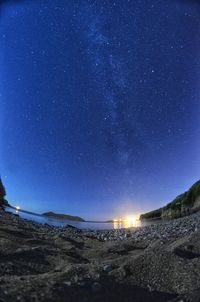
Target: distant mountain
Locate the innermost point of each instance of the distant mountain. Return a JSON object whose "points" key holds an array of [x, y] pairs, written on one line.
{"points": [[184, 204], [63, 216]]}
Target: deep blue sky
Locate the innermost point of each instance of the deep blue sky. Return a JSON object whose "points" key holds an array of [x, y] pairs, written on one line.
{"points": [[99, 104]]}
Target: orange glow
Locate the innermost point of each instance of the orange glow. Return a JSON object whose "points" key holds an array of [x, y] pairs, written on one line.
{"points": [[128, 222]]}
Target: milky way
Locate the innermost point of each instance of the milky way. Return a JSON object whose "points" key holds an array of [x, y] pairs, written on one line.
{"points": [[99, 104]]}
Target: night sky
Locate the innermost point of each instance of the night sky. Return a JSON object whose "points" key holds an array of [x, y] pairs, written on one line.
{"points": [[99, 104]]}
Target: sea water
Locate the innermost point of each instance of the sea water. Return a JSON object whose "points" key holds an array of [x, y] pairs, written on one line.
{"points": [[79, 224]]}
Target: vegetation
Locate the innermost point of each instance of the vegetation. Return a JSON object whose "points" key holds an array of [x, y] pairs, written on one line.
{"points": [[152, 215], [2, 190], [185, 200], [3, 201]]}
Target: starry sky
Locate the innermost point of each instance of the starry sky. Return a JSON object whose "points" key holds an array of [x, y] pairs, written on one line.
{"points": [[99, 104]]}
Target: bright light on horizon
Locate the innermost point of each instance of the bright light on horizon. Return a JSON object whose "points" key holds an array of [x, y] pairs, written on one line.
{"points": [[129, 221]]}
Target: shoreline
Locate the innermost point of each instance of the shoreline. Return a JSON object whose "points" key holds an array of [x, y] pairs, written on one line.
{"points": [[54, 217], [160, 262]]}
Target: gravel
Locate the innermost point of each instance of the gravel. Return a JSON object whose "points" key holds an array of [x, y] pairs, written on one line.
{"points": [[159, 262]]}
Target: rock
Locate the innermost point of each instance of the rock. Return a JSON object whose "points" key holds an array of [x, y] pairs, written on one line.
{"points": [[108, 268], [118, 274], [76, 278], [82, 283], [96, 287], [67, 283], [193, 296], [3, 201], [183, 205], [160, 257]]}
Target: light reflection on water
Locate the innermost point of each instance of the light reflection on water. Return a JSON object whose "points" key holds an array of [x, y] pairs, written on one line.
{"points": [[79, 224], [126, 224]]}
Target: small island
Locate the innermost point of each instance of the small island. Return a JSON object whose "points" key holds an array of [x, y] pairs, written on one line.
{"points": [[63, 216]]}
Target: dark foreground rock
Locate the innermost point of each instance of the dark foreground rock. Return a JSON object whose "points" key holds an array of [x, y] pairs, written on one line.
{"points": [[45, 263]]}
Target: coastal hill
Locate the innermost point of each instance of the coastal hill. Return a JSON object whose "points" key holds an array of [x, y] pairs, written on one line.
{"points": [[3, 201], [184, 204], [63, 216]]}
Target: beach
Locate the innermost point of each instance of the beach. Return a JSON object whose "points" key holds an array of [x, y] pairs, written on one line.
{"points": [[39, 262]]}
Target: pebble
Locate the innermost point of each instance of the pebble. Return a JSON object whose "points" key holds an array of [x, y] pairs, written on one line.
{"points": [[96, 287], [67, 283], [82, 283], [75, 278], [163, 231], [107, 268]]}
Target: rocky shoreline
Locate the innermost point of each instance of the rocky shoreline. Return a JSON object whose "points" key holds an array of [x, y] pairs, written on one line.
{"points": [[39, 262], [184, 204]]}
